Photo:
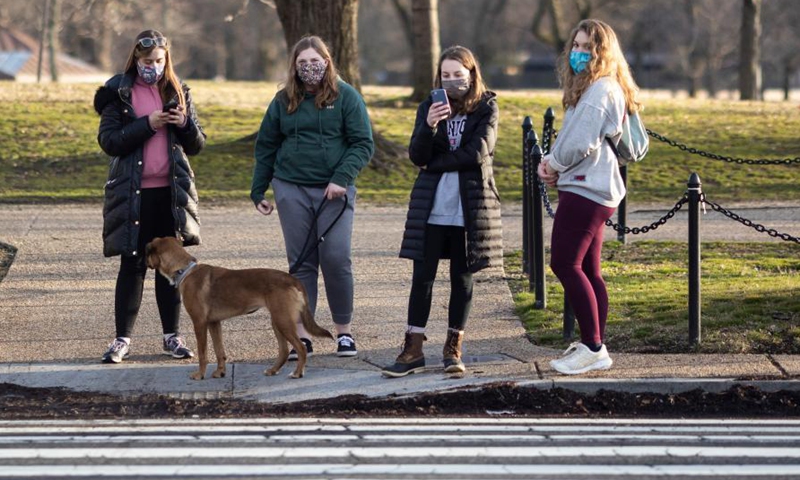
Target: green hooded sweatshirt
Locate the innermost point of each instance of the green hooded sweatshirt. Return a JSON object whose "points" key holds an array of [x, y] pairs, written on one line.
{"points": [[313, 146]]}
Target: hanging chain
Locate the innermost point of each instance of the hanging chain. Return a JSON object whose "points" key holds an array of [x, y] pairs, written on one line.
{"points": [[749, 223], [654, 225], [694, 151]]}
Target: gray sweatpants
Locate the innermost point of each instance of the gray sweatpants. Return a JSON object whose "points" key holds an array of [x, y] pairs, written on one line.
{"points": [[296, 206]]}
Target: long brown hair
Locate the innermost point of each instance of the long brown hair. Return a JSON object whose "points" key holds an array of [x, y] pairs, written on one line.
{"points": [[477, 88], [607, 61], [294, 88], [168, 84]]}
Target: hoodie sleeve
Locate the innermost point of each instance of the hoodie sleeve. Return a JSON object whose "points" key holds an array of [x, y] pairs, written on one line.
{"points": [[268, 142], [358, 133], [594, 118]]}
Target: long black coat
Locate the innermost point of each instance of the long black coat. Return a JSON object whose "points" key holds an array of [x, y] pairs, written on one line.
{"points": [[122, 135], [479, 197]]}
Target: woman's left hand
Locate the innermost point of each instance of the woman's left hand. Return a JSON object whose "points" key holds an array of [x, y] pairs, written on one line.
{"points": [[176, 116], [334, 191], [548, 175]]}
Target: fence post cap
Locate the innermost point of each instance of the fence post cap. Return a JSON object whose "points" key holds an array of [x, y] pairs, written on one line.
{"points": [[527, 123], [694, 180], [549, 113]]}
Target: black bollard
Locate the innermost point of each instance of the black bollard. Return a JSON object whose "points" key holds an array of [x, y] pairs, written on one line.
{"points": [[537, 239], [527, 127], [695, 193], [622, 209]]}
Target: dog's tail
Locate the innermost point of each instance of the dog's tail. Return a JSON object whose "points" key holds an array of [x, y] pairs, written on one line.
{"points": [[309, 323]]}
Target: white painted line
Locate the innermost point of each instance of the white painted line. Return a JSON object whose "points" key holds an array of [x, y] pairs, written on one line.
{"points": [[191, 471], [401, 452]]}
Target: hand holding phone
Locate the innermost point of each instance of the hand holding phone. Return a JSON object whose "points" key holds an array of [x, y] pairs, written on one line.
{"points": [[440, 109], [169, 106]]}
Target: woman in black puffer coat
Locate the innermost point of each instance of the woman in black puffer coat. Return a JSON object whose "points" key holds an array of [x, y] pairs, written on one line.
{"points": [[454, 211], [148, 125]]}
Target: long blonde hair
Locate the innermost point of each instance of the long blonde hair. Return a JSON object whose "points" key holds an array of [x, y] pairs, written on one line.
{"points": [[294, 89], [464, 56], [607, 61], [168, 84]]}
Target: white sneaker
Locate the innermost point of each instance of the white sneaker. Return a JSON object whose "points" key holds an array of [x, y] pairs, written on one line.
{"points": [[579, 359]]}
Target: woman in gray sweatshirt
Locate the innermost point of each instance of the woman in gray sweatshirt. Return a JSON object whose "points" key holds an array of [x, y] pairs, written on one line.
{"points": [[599, 92]]}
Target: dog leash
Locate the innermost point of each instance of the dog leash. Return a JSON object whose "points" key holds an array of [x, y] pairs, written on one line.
{"points": [[321, 238]]}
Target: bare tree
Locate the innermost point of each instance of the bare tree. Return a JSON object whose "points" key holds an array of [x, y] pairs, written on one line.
{"points": [[54, 25], [554, 13], [426, 46], [335, 21], [42, 41], [750, 59]]}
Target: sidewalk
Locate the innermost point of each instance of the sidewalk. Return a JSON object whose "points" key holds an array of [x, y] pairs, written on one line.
{"points": [[56, 315]]}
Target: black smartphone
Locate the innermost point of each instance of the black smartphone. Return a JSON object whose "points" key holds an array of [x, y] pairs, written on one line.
{"points": [[440, 95], [169, 106]]}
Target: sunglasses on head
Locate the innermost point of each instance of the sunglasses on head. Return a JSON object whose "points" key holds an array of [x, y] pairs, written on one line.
{"points": [[148, 42]]}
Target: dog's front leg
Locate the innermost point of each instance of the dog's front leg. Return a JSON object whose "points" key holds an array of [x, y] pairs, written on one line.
{"points": [[215, 328], [201, 335]]}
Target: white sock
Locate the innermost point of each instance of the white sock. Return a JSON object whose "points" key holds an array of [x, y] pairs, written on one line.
{"points": [[168, 335], [127, 340], [412, 329]]}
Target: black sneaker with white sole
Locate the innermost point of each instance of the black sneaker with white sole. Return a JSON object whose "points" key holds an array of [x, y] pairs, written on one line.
{"points": [[117, 350], [309, 350], [176, 347], [346, 346]]}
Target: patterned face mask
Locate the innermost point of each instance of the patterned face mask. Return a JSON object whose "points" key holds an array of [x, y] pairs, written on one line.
{"points": [[312, 73], [456, 88], [150, 73]]}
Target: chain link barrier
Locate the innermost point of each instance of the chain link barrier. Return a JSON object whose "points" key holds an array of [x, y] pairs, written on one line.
{"points": [[748, 223], [714, 156]]}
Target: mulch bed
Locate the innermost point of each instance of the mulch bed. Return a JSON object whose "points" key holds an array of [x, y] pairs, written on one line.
{"points": [[501, 399]]}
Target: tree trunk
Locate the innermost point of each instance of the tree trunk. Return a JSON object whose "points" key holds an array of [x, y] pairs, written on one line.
{"points": [[750, 54], [102, 44], [426, 48], [52, 33], [42, 41], [555, 37], [335, 21]]}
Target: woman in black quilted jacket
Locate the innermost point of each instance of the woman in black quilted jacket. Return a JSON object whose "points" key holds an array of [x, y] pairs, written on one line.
{"points": [[148, 125], [454, 211]]}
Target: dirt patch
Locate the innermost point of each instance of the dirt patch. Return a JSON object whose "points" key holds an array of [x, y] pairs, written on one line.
{"points": [[7, 254], [501, 399]]}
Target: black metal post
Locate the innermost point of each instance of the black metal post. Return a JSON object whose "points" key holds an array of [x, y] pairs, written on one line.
{"points": [[622, 209], [695, 194], [569, 320], [527, 127], [537, 240], [547, 130], [533, 195]]}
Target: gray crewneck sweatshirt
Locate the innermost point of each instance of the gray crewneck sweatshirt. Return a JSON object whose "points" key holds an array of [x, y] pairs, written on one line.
{"points": [[581, 155]]}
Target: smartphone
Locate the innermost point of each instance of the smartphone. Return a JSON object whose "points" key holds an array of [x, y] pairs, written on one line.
{"points": [[169, 106], [440, 95]]}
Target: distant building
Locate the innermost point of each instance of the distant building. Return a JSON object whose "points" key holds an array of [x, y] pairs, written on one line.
{"points": [[19, 59]]}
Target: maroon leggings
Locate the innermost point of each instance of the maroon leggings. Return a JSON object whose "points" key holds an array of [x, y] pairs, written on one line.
{"points": [[575, 259]]}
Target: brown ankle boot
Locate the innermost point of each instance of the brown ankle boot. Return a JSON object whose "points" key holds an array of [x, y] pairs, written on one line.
{"points": [[410, 360], [452, 352]]}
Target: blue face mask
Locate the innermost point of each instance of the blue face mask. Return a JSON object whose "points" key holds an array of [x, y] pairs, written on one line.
{"points": [[578, 60]]}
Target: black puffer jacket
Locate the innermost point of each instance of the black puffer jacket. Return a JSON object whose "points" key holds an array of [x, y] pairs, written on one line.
{"points": [[473, 161], [122, 135]]}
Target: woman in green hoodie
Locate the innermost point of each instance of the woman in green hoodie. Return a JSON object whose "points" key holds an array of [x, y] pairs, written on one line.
{"points": [[314, 140]]}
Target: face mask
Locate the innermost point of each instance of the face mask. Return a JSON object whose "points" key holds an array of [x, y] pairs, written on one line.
{"points": [[150, 73], [457, 88], [312, 73], [578, 60]]}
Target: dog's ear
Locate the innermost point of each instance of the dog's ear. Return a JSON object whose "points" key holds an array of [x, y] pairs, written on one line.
{"points": [[150, 255]]}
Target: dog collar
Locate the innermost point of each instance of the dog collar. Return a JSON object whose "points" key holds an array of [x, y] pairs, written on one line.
{"points": [[181, 274]]}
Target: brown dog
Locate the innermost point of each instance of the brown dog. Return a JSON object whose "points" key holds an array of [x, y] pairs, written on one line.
{"points": [[212, 294]]}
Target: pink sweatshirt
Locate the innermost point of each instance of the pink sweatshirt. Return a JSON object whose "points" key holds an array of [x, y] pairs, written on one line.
{"points": [[146, 98]]}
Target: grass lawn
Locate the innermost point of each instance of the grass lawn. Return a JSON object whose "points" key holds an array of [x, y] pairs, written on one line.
{"points": [[49, 147], [749, 298], [49, 152]]}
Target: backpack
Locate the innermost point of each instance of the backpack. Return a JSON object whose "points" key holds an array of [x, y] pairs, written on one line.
{"points": [[634, 142]]}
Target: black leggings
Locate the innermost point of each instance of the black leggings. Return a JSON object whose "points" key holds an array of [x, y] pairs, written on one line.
{"points": [[156, 220], [440, 239]]}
